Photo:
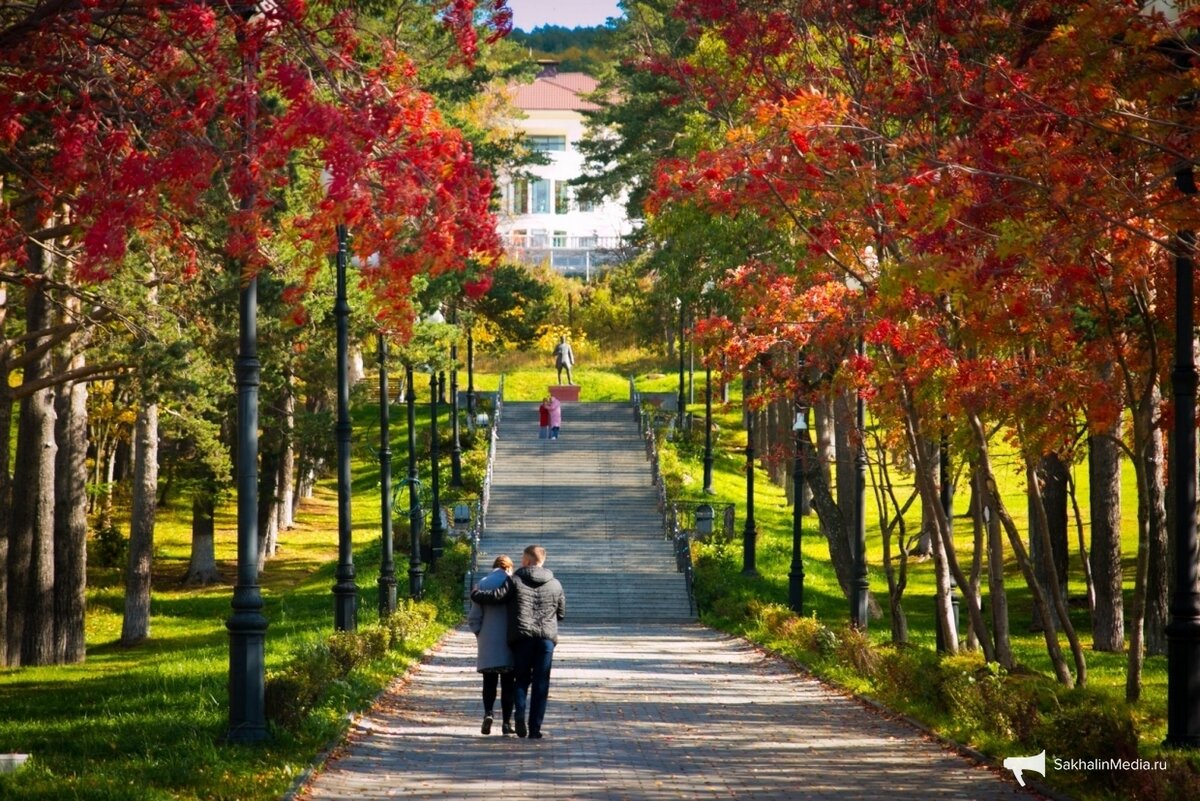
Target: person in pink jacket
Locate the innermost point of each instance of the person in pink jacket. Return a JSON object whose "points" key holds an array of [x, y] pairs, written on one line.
{"points": [[555, 416]]}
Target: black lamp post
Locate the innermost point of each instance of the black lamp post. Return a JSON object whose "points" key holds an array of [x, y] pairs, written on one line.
{"points": [[437, 533], [387, 569], [456, 479], [1183, 629], [796, 575], [860, 585], [682, 349], [345, 591], [470, 375], [708, 448], [750, 532], [247, 625], [946, 491], [416, 518]]}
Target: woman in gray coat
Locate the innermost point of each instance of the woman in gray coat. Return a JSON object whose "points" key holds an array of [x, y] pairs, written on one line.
{"points": [[494, 658]]}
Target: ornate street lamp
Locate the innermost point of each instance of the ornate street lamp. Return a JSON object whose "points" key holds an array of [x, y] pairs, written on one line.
{"points": [[682, 399], [345, 590], [750, 532], [387, 570], [796, 574], [860, 584], [1183, 628], [247, 625], [416, 519], [946, 492], [437, 532], [456, 479], [708, 445], [470, 373]]}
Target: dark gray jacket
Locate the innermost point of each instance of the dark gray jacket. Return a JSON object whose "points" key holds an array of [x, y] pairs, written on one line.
{"points": [[535, 603]]}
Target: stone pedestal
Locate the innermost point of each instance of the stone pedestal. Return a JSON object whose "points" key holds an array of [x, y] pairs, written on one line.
{"points": [[565, 392]]}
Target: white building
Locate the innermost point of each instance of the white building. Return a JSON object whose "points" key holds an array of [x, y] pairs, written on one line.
{"points": [[541, 219]]}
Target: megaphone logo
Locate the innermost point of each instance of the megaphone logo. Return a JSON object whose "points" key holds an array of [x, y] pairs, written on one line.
{"points": [[1036, 763]]}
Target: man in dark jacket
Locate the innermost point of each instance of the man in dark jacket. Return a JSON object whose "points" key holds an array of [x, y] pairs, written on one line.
{"points": [[535, 605]]}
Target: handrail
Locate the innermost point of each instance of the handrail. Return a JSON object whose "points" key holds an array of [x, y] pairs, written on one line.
{"points": [[485, 495]]}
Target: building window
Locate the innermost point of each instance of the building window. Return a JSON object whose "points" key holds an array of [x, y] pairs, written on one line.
{"points": [[562, 198], [541, 196], [587, 205], [560, 239], [547, 144], [519, 201]]}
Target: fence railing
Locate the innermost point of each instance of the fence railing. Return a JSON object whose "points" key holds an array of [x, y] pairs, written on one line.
{"points": [[479, 523]]}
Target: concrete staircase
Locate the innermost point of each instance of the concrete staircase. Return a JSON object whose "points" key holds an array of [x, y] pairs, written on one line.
{"points": [[587, 499]]}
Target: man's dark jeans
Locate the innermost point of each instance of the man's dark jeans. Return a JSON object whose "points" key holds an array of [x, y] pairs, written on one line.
{"points": [[534, 657]]}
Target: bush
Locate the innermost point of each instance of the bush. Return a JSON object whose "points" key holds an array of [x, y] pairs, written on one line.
{"points": [[110, 548], [854, 648], [410, 622], [904, 677], [803, 631], [1088, 724]]}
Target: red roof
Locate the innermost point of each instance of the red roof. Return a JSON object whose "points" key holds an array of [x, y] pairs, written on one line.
{"points": [[560, 91]]}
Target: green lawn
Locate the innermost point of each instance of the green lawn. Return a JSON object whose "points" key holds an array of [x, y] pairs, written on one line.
{"points": [[147, 722], [824, 599]]}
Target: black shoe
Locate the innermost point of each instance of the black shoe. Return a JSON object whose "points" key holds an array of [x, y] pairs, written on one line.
{"points": [[521, 730], [535, 735], [508, 729], [486, 728]]}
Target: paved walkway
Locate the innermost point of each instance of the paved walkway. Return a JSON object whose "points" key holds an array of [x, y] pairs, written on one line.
{"points": [[645, 713], [638, 711]]}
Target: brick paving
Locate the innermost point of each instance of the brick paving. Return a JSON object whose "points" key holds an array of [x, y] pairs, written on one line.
{"points": [[661, 708], [647, 712]]}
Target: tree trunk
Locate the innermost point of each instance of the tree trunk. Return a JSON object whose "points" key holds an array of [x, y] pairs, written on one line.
{"points": [[202, 568], [1051, 474], [1158, 573], [70, 520], [1040, 527], [830, 515], [1022, 556], [136, 626], [31, 539], [826, 455], [287, 465], [6, 405], [268, 505], [844, 424], [997, 595]]}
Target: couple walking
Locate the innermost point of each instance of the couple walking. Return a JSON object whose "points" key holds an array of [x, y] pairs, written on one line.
{"points": [[515, 619]]}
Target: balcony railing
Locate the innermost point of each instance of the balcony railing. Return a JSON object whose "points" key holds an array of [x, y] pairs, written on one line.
{"points": [[575, 255]]}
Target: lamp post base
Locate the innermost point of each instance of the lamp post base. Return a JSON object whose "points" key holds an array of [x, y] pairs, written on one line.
{"points": [[416, 583], [387, 595], [345, 606], [1183, 686], [796, 591]]}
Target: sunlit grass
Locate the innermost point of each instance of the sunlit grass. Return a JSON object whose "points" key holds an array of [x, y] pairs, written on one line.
{"points": [[147, 722]]}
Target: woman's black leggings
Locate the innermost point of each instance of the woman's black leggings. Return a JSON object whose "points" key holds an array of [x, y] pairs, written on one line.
{"points": [[507, 682]]}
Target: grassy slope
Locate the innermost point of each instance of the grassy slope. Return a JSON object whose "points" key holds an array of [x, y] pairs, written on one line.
{"points": [[146, 722]]}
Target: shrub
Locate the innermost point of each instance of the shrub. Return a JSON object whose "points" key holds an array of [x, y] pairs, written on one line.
{"points": [[904, 677], [1088, 724], [854, 648], [827, 642], [410, 622], [803, 631], [348, 650], [110, 548]]}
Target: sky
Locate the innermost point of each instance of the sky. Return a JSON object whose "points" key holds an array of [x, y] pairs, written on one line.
{"points": [[528, 14]]}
